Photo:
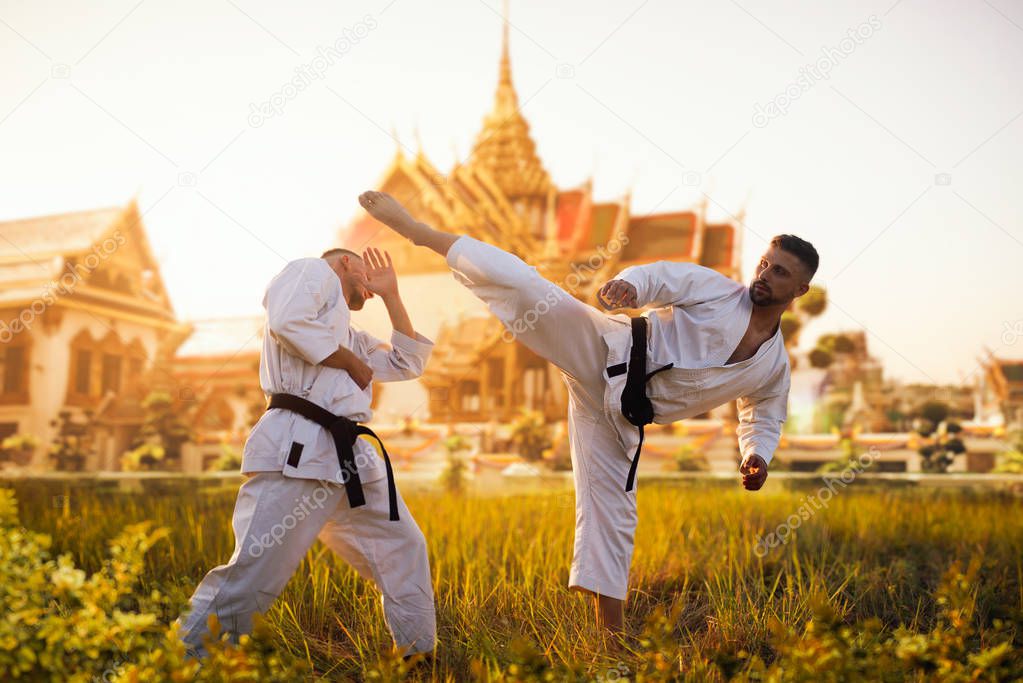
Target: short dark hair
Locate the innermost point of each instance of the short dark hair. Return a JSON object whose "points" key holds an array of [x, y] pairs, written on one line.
{"points": [[337, 252], [799, 248]]}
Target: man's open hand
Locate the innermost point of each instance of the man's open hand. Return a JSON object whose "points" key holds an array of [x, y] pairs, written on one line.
{"points": [[617, 294], [754, 472], [380, 276]]}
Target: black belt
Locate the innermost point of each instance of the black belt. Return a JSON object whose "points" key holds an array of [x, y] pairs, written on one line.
{"points": [[345, 432], [636, 407]]}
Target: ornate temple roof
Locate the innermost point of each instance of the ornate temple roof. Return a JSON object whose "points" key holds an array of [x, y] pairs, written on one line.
{"points": [[457, 348], [504, 147], [30, 239], [108, 248]]}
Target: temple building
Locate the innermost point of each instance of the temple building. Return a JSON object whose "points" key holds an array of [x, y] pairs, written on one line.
{"points": [[84, 316], [502, 194], [216, 371]]}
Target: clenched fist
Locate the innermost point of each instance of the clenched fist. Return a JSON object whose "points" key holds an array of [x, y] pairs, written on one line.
{"points": [[754, 472], [617, 294]]}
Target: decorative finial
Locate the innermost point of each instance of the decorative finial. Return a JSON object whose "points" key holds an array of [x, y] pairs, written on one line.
{"points": [[505, 76]]}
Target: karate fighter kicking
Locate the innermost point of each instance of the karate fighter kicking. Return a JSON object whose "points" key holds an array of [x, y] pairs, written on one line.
{"points": [[309, 476], [709, 340]]}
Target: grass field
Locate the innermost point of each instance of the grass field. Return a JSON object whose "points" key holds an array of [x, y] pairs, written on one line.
{"points": [[704, 603]]}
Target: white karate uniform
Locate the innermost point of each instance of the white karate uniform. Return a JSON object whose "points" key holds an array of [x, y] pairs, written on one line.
{"points": [[700, 318], [282, 508]]}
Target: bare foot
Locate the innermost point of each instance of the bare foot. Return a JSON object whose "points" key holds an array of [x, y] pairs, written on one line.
{"points": [[388, 211], [391, 213]]}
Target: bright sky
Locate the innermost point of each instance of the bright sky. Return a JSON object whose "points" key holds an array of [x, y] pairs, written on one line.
{"points": [[101, 101]]}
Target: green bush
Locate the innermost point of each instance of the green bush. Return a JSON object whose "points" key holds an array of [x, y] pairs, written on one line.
{"points": [[62, 624], [688, 458]]}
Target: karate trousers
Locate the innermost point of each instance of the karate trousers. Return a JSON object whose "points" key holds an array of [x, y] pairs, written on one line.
{"points": [[277, 519], [568, 333]]}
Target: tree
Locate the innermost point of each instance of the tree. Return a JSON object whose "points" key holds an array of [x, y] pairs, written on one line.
{"points": [[73, 441], [453, 475], [843, 344], [808, 306], [828, 347], [530, 434], [162, 434], [790, 327], [939, 454], [688, 458], [814, 302], [934, 412], [821, 358]]}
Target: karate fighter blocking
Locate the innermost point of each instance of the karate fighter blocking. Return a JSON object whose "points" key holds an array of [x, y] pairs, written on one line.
{"points": [[708, 340], [309, 476]]}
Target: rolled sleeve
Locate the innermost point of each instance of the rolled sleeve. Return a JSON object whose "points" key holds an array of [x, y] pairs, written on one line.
{"points": [[760, 423], [404, 358]]}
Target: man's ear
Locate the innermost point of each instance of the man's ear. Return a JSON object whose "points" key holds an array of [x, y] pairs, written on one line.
{"points": [[803, 289]]}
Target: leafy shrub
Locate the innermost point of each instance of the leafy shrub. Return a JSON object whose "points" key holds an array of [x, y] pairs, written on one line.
{"points": [[530, 434], [689, 458], [61, 624], [229, 460]]}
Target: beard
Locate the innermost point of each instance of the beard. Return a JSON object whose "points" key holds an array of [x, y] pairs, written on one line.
{"points": [[760, 297]]}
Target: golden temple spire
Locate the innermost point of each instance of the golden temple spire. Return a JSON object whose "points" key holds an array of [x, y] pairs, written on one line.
{"points": [[504, 148], [507, 100]]}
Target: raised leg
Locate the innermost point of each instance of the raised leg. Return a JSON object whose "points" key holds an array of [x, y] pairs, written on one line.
{"points": [[535, 311]]}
